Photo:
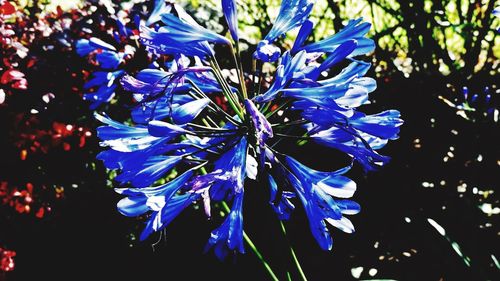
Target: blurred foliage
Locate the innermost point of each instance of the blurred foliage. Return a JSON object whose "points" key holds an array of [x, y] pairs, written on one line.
{"points": [[449, 37]]}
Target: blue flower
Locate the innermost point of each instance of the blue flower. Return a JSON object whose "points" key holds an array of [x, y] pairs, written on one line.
{"points": [[354, 30], [128, 206], [231, 14], [233, 164], [210, 147], [109, 59], [188, 31], [282, 206], [181, 36], [105, 84], [86, 46], [162, 43], [288, 69], [160, 8], [262, 127], [229, 236], [316, 191], [292, 14], [102, 95], [123, 30], [105, 81]]}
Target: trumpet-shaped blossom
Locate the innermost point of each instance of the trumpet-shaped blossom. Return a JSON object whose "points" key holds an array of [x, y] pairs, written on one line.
{"points": [[180, 127], [231, 14], [229, 236], [292, 14], [354, 30], [104, 82]]}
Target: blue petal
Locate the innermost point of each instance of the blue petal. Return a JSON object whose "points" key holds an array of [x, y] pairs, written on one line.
{"points": [[83, 47], [99, 44], [384, 125], [131, 160], [231, 14], [324, 94], [283, 207], [288, 68], [229, 236], [496, 12], [267, 52], [355, 29], [152, 76], [159, 109], [116, 130], [122, 29], [167, 190], [332, 183], [160, 8], [152, 173], [164, 43], [314, 214], [132, 207], [189, 111], [353, 70], [366, 156], [292, 14], [348, 207], [103, 78], [234, 162], [315, 190], [338, 55], [304, 32], [125, 138], [109, 59], [102, 95], [164, 129], [168, 213], [184, 32]]}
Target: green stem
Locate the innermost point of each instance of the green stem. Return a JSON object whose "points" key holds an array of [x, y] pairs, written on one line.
{"points": [[239, 69], [226, 90], [215, 108], [254, 249], [269, 114], [295, 259]]}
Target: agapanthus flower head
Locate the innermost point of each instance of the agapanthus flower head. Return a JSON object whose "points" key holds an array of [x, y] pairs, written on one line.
{"points": [[210, 149]]}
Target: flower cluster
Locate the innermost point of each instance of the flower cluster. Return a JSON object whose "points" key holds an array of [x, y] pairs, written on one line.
{"points": [[114, 50], [178, 129]]}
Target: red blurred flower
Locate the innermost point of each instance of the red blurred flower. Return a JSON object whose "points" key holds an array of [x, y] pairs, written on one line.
{"points": [[7, 260], [24, 200], [15, 78], [6, 8]]}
